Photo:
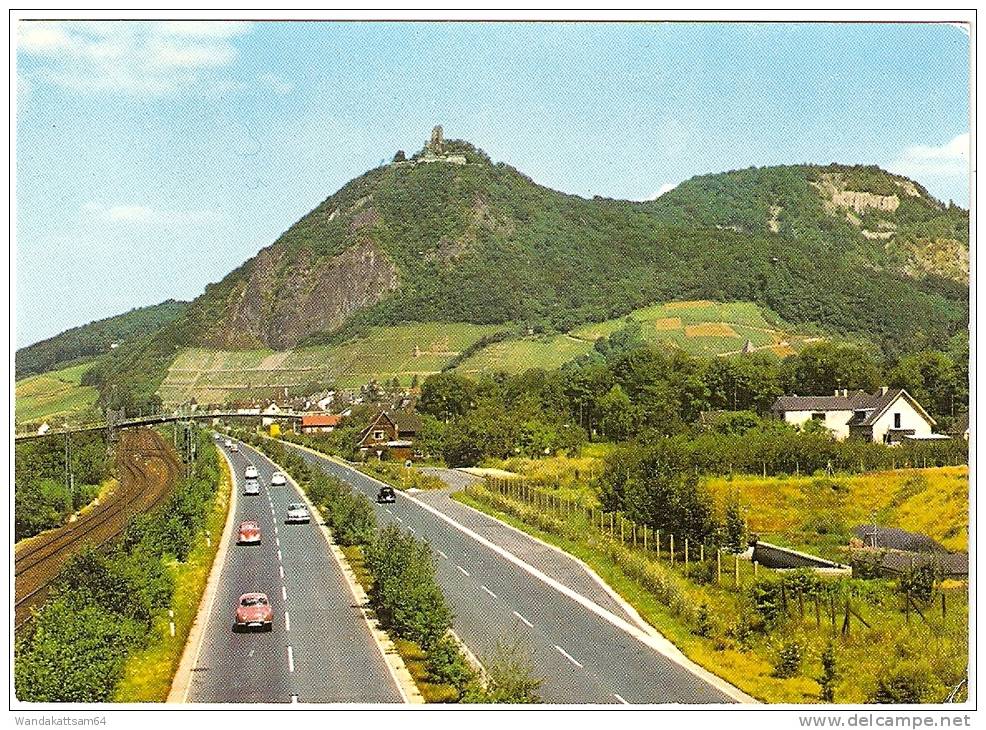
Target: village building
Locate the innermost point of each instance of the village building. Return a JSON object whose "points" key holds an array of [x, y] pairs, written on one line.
{"points": [[390, 434], [890, 415], [270, 413], [320, 422]]}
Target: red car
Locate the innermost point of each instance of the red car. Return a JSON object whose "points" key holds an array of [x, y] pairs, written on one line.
{"points": [[249, 533], [253, 612]]}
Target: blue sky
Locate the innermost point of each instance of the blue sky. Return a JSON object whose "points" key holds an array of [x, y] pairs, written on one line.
{"points": [[153, 158]]}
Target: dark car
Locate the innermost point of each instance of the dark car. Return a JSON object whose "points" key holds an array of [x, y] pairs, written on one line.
{"points": [[386, 495]]}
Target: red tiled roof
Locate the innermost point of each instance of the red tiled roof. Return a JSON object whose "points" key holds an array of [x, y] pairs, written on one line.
{"points": [[320, 419]]}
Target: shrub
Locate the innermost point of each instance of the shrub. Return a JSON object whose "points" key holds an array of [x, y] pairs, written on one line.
{"points": [[907, 683], [788, 660], [703, 621], [446, 665], [919, 582], [830, 674], [509, 679]]}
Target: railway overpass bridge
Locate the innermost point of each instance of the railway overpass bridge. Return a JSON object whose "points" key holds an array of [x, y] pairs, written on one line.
{"points": [[160, 418]]}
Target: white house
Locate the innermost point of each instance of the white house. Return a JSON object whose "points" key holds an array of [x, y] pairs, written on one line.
{"points": [[43, 429], [889, 415], [270, 413]]}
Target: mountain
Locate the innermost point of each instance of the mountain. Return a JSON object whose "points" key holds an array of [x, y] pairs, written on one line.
{"points": [[95, 338], [449, 236]]}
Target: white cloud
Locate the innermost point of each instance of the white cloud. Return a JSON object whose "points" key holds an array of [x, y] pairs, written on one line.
{"points": [[665, 188], [126, 56], [948, 160], [142, 214]]}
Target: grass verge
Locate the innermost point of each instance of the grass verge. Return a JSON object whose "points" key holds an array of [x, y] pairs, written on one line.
{"points": [[148, 673]]}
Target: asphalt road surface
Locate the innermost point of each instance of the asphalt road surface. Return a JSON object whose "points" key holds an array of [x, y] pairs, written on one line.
{"points": [[320, 648], [581, 657]]}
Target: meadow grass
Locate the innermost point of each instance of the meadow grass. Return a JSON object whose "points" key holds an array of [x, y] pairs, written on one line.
{"points": [[55, 394]]}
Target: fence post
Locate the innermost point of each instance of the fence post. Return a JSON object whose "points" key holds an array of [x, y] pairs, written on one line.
{"points": [[672, 548], [756, 571], [612, 524], [645, 538], [657, 543], [686, 554], [736, 569], [701, 552], [943, 606], [718, 565], [622, 521], [633, 533]]}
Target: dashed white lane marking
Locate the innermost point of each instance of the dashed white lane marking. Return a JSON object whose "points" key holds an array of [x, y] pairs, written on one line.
{"points": [[284, 593], [488, 591], [279, 556], [251, 652], [389, 512], [280, 569], [443, 554], [529, 624], [398, 518], [568, 656], [294, 699], [411, 530], [277, 541], [620, 699], [287, 621], [462, 570], [290, 659]]}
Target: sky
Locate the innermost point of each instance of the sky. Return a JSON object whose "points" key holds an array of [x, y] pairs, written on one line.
{"points": [[152, 158]]}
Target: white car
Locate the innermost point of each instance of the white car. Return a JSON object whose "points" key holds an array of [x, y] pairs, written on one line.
{"points": [[235, 447], [251, 472], [217, 437], [297, 512], [227, 443], [251, 488], [278, 479]]}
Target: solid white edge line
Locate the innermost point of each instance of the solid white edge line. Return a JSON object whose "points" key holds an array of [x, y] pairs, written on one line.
{"points": [[657, 642], [529, 624], [217, 567], [568, 656]]}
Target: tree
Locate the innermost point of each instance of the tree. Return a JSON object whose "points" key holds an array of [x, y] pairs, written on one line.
{"points": [[446, 395], [617, 414], [734, 526], [400, 156], [823, 367], [830, 674]]}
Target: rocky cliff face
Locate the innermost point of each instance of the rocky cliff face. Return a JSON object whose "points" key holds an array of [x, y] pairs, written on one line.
{"points": [[285, 298]]}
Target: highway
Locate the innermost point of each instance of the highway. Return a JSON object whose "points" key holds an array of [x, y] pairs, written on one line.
{"points": [[584, 653], [320, 648]]}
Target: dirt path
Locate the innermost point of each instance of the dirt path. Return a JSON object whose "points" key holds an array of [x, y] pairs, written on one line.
{"points": [[147, 467]]}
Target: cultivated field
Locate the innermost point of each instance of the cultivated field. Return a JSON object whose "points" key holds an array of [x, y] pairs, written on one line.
{"points": [[57, 394], [704, 328], [211, 376], [516, 356]]}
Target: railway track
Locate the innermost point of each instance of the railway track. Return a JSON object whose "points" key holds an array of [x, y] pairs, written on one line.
{"points": [[148, 468]]}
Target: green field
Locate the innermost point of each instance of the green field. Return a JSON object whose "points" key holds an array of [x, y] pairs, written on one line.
{"points": [[515, 356], [704, 328], [57, 394], [383, 353]]}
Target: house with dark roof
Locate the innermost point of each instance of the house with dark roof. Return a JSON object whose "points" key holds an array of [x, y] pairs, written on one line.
{"points": [[390, 433], [890, 415]]}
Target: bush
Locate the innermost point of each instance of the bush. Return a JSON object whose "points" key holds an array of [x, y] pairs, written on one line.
{"points": [[510, 679], [920, 581], [830, 674], [905, 684], [405, 592], [788, 660], [446, 665], [352, 519]]}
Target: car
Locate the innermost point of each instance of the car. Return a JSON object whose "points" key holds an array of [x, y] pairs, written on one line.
{"points": [[235, 447], [217, 437], [249, 533], [278, 479], [298, 512], [386, 495], [227, 443], [251, 487], [251, 472], [253, 611]]}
